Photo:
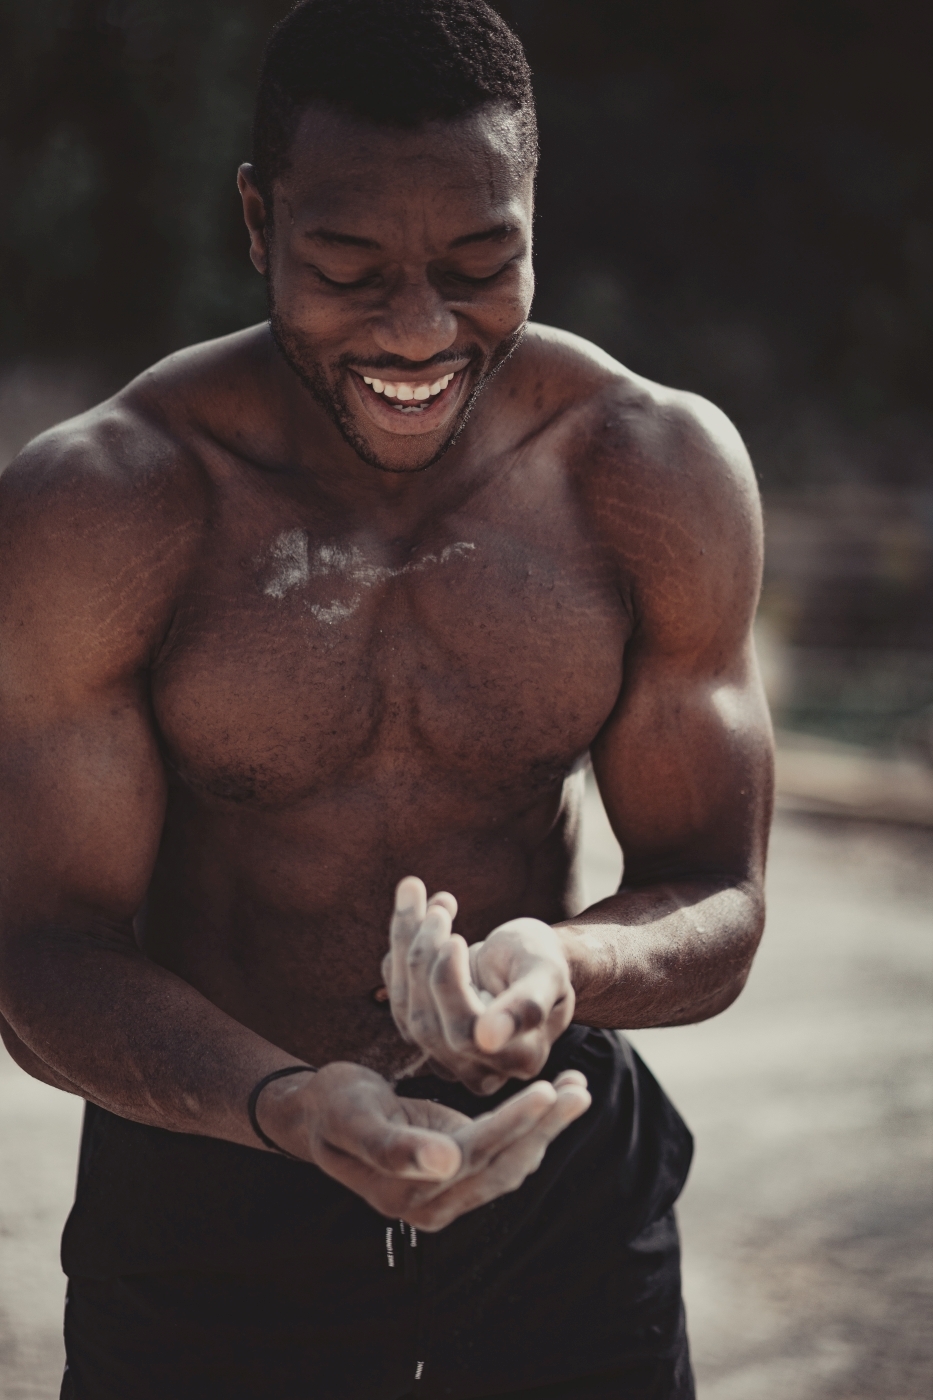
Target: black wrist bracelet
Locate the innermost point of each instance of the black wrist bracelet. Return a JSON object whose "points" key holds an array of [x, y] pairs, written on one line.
{"points": [[253, 1100]]}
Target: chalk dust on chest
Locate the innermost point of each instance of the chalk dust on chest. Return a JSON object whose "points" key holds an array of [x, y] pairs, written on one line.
{"points": [[290, 563], [289, 560]]}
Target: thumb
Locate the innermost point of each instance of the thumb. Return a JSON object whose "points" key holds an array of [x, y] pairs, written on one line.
{"points": [[523, 1007], [396, 1148]]}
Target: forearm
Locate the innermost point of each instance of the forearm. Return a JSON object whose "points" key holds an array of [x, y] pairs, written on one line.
{"points": [[663, 955], [90, 1014]]}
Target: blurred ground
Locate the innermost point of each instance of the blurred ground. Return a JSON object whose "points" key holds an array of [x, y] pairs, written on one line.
{"points": [[806, 1219], [38, 1144]]}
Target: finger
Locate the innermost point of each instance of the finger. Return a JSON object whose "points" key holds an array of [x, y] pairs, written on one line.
{"points": [[524, 1006], [425, 1113], [435, 930], [526, 1141], [435, 1205], [573, 1099], [491, 1084], [490, 1133], [517, 1160], [524, 1154], [457, 1000], [522, 1057], [447, 901], [394, 1148], [389, 1194], [423, 1021], [407, 915], [569, 1077], [411, 899]]}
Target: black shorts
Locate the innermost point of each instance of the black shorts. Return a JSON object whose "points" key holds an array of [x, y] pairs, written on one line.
{"points": [[202, 1270]]}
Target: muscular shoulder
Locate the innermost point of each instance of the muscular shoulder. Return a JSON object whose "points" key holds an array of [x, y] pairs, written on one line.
{"points": [[136, 466], [623, 434], [140, 456], [99, 519], [665, 482]]}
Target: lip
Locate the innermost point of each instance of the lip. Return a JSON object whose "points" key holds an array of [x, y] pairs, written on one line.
{"points": [[435, 415]]}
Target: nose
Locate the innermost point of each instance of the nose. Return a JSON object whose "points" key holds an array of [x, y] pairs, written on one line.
{"points": [[415, 322]]}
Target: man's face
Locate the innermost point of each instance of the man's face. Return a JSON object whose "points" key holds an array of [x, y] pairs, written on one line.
{"points": [[399, 272]]}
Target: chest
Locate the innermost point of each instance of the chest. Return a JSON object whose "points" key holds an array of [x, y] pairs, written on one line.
{"points": [[486, 653]]}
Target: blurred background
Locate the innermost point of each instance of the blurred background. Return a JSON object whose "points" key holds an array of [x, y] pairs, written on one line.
{"points": [[733, 199]]}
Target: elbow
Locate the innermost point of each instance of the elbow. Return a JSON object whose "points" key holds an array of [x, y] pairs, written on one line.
{"points": [[19, 1053], [721, 1000], [727, 974], [29, 1062], [747, 931], [704, 1008], [729, 984]]}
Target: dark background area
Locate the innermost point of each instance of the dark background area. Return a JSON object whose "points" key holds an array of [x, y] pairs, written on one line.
{"points": [[733, 199]]}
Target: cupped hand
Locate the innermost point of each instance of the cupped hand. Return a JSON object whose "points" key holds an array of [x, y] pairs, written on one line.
{"points": [[411, 1159], [484, 1013]]}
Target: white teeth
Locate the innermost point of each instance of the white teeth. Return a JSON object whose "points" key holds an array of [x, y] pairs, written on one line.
{"points": [[408, 391]]}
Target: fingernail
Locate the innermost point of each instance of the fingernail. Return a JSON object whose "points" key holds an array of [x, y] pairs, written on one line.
{"points": [[572, 1076], [490, 1084], [446, 901], [406, 896]]}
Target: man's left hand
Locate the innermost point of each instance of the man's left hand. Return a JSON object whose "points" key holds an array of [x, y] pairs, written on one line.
{"points": [[483, 1013]]}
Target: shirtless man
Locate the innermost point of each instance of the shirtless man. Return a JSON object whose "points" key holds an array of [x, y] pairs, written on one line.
{"points": [[306, 617]]}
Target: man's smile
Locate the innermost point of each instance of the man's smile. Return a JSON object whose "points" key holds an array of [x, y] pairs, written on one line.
{"points": [[404, 390], [413, 403]]}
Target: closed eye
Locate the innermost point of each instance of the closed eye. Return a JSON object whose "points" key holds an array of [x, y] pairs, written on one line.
{"points": [[475, 281], [464, 278], [360, 283]]}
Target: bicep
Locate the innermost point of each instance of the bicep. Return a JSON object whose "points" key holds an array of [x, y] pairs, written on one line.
{"points": [[684, 763], [82, 787], [684, 767], [82, 798]]}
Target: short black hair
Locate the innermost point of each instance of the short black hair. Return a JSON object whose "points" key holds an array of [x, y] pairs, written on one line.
{"points": [[392, 62]]}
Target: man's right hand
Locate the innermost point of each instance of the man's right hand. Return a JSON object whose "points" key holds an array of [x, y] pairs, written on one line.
{"points": [[411, 1159]]}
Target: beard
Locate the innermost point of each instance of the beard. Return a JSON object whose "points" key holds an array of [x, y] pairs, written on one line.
{"points": [[327, 385]]}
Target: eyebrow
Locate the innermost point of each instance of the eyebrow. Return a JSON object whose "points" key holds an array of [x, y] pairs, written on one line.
{"points": [[486, 235], [352, 240], [342, 240]]}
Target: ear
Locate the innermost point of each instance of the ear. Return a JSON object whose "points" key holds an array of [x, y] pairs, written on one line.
{"points": [[254, 212]]}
